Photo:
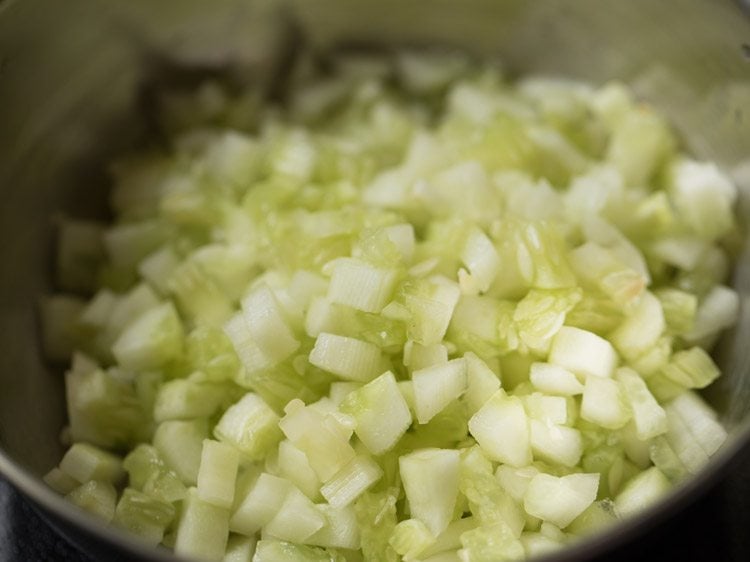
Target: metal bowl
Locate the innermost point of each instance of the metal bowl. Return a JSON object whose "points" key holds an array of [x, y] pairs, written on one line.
{"points": [[72, 74]]}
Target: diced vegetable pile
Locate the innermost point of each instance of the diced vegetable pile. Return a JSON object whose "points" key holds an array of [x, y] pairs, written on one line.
{"points": [[415, 312]]}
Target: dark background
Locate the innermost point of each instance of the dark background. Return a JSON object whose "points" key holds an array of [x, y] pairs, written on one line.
{"points": [[715, 528]]}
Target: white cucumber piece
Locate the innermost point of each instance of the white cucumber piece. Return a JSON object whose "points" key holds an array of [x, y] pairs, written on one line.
{"points": [[158, 267], [437, 386], [351, 481], [297, 518], [294, 466], [718, 310], [560, 500], [703, 197], [481, 258], [553, 379], [319, 436], [60, 482], [203, 529], [183, 399], [603, 403], [84, 462], [642, 491], [240, 549], [430, 478], [360, 285], [260, 504], [349, 358], [340, 530], [481, 383], [418, 356], [251, 426], [180, 444], [556, 444], [514, 480], [151, 341], [582, 352], [691, 368], [449, 540], [430, 303], [547, 409], [382, 415], [648, 416], [217, 473], [700, 419], [641, 329], [267, 326], [501, 427]]}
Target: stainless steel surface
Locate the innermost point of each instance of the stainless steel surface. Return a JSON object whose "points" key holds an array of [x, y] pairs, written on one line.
{"points": [[70, 77]]}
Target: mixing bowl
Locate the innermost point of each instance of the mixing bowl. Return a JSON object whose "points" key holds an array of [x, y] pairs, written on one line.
{"points": [[72, 81]]}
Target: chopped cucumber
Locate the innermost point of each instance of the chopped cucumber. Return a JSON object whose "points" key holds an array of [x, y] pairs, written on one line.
{"points": [[418, 313]]}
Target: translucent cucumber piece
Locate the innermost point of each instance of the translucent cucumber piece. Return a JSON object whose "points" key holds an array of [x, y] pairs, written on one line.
{"points": [[144, 515], [490, 504], [148, 473], [96, 497], [410, 538], [268, 550], [490, 542], [376, 516]]}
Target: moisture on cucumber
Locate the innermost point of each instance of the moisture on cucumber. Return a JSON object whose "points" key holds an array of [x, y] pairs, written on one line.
{"points": [[418, 311]]}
